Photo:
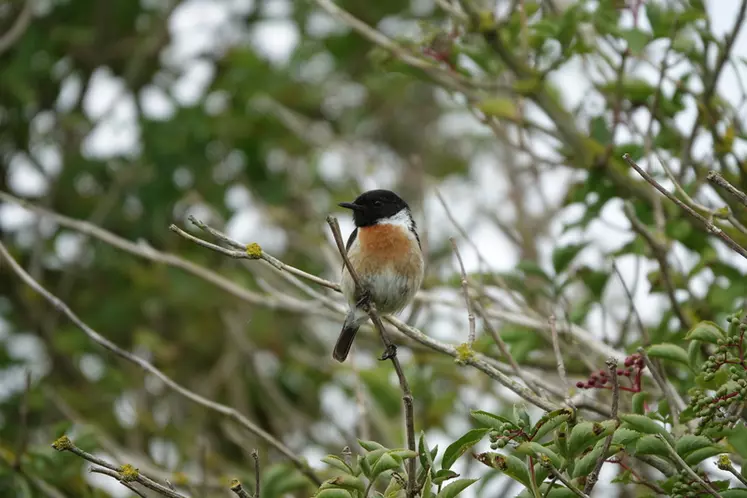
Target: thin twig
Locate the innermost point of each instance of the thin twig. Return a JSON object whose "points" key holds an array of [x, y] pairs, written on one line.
{"points": [[646, 339], [255, 456], [465, 290], [684, 466], [720, 181], [594, 476], [724, 463], [579, 334], [18, 28], [239, 490], [118, 477], [567, 483], [127, 473], [559, 356], [192, 396], [673, 398], [504, 349], [391, 353], [263, 255], [709, 226], [660, 252]]}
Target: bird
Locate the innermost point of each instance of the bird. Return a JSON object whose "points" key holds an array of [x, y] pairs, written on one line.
{"points": [[385, 251]]}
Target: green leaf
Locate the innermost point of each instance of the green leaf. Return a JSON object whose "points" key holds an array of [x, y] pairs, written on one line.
{"points": [[333, 493], [426, 491], [386, 462], [562, 256], [347, 482], [734, 493], [651, 445], [694, 356], [706, 331], [586, 434], [719, 379], [701, 454], [426, 458], [337, 463], [444, 475], [510, 465], [530, 268], [370, 445], [641, 423], [394, 489], [561, 492], [502, 108], [535, 449], [490, 419], [689, 443], [667, 351], [461, 445], [639, 402], [402, 453], [599, 130], [521, 417], [586, 464], [625, 437], [737, 438], [636, 39], [364, 466], [456, 487], [549, 422]]}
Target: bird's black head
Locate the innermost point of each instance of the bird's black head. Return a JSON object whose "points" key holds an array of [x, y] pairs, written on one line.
{"points": [[375, 205]]}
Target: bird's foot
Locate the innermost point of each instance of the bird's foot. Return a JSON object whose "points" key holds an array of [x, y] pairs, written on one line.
{"points": [[364, 300], [389, 353]]}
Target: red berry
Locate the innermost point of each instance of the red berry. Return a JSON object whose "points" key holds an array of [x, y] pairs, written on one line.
{"points": [[580, 385]]}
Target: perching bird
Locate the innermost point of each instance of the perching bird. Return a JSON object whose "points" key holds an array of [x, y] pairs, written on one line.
{"points": [[385, 251]]}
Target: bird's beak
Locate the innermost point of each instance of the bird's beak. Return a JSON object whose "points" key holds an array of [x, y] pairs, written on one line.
{"points": [[351, 205]]}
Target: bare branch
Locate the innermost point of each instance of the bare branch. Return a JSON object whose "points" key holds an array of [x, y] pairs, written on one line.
{"points": [[720, 181], [465, 290], [559, 356], [557, 475], [594, 476], [390, 353], [254, 248], [115, 475], [18, 29], [709, 226], [504, 349], [125, 473], [676, 404], [255, 456], [660, 251], [239, 490], [192, 396]]}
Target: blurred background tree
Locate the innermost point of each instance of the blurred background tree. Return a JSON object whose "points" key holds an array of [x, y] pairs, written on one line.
{"points": [[502, 123]]}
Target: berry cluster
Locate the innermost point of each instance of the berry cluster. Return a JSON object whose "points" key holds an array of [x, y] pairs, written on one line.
{"points": [[686, 487], [730, 350], [717, 410], [634, 366], [507, 432]]}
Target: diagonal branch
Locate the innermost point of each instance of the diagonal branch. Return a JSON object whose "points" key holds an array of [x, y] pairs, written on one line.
{"points": [[391, 354], [224, 410], [709, 226]]}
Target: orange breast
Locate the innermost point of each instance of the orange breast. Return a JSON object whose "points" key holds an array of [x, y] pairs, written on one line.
{"points": [[384, 241], [386, 245]]}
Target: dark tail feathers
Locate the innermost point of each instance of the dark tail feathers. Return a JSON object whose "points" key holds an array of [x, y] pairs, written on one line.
{"points": [[345, 342]]}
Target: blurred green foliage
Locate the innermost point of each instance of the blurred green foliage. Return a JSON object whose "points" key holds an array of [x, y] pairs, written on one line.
{"points": [[265, 126]]}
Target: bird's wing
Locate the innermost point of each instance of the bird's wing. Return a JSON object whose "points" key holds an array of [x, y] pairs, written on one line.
{"points": [[351, 239]]}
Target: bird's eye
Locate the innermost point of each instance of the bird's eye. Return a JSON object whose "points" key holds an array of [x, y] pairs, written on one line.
{"points": [[377, 203]]}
